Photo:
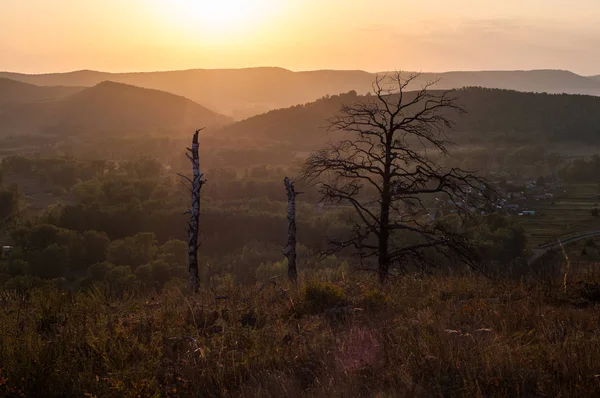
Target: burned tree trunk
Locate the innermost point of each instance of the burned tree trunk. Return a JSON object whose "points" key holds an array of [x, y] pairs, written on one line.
{"points": [[290, 249], [196, 184]]}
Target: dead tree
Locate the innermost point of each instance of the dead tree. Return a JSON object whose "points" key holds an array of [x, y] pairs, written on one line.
{"points": [[290, 249], [387, 169], [196, 183]]}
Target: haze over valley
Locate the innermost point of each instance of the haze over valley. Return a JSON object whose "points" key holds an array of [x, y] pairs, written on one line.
{"points": [[299, 198], [241, 93]]}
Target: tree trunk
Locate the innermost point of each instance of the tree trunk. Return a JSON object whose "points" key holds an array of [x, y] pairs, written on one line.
{"points": [[193, 224], [383, 260], [290, 249]]}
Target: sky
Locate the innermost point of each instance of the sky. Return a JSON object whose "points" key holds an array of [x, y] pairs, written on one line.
{"points": [[41, 36]]}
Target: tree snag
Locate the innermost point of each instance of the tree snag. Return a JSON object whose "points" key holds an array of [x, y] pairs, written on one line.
{"points": [[387, 169], [290, 249], [195, 186]]}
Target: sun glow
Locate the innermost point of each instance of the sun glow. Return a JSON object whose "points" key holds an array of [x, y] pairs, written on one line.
{"points": [[222, 18]]}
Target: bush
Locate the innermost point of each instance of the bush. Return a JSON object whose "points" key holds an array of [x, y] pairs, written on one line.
{"points": [[374, 300], [144, 274], [22, 283], [269, 270], [321, 296], [161, 272], [99, 271]]}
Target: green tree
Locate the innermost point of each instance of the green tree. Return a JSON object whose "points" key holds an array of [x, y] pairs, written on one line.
{"points": [[499, 239], [174, 252], [161, 272], [9, 204], [134, 250], [51, 262], [120, 279], [144, 274], [95, 246], [98, 272]]}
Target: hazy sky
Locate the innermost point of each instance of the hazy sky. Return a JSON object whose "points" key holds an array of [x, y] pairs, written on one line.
{"points": [[374, 35]]}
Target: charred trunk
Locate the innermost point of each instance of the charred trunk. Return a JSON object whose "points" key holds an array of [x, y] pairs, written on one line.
{"points": [[290, 249], [383, 260], [196, 184]]}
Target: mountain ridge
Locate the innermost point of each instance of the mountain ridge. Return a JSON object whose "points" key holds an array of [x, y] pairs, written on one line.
{"points": [[493, 115], [108, 107], [13, 91], [241, 93]]}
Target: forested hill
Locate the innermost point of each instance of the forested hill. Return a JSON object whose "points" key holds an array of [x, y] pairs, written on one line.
{"points": [[106, 108], [539, 116], [12, 92], [491, 113], [109, 106], [241, 93]]}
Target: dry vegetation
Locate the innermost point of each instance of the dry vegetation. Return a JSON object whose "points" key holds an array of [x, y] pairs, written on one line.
{"points": [[460, 336]]}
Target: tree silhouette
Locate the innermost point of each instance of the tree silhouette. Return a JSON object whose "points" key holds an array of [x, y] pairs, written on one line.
{"points": [[386, 170]]}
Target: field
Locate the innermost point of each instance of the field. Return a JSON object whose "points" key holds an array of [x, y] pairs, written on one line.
{"points": [[461, 336], [569, 212]]}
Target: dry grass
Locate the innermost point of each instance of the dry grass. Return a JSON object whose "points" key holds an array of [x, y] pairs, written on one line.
{"points": [[450, 337]]}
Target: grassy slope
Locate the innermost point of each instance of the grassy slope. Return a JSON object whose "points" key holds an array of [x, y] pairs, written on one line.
{"points": [[455, 337]]}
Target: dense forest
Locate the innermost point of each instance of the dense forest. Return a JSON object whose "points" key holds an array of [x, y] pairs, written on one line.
{"points": [[493, 115], [133, 214], [82, 222]]}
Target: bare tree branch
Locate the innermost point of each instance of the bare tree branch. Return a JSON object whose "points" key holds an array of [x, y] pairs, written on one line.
{"points": [[387, 173]]}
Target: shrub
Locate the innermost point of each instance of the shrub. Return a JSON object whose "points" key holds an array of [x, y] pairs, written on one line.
{"points": [[321, 296], [22, 283], [99, 271], [374, 300], [161, 272], [269, 270]]}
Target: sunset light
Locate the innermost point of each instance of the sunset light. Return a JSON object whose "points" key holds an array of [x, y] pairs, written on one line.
{"points": [[226, 19], [299, 198]]}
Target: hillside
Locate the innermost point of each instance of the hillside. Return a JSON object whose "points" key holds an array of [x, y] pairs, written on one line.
{"points": [[491, 114], [12, 91], [241, 93], [530, 116], [109, 107]]}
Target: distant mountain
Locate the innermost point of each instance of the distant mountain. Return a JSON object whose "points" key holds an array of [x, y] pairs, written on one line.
{"points": [[85, 78], [550, 81], [12, 92], [492, 115], [109, 107], [241, 93]]}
